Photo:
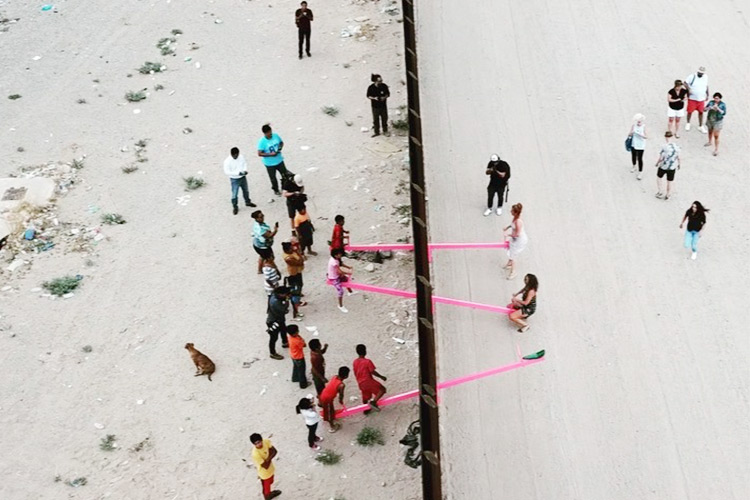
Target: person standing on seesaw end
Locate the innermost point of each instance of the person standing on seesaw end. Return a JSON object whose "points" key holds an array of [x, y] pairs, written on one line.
{"points": [[235, 167], [339, 274], [302, 18], [269, 149], [499, 172], [524, 306], [334, 387], [378, 94], [696, 221], [340, 237], [517, 239], [364, 372]]}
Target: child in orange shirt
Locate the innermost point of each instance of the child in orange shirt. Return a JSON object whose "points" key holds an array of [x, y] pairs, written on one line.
{"points": [[305, 230], [296, 352]]}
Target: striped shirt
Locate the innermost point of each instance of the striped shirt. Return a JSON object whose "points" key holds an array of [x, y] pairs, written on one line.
{"points": [[271, 279]]}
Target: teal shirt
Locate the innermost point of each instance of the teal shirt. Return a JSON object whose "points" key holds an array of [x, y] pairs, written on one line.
{"points": [[716, 112], [271, 145]]}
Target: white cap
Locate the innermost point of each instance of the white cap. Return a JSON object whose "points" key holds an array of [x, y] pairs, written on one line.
{"points": [[310, 397], [298, 180], [494, 158]]}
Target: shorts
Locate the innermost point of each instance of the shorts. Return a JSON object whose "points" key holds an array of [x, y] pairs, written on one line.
{"points": [[714, 125], [337, 284], [329, 412], [669, 173], [369, 389], [698, 106], [675, 113], [264, 252]]}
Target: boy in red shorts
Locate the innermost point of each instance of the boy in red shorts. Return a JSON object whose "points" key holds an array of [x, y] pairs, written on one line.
{"points": [[334, 387], [364, 370]]}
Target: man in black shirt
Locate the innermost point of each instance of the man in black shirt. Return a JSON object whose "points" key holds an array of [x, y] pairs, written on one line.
{"points": [[499, 172], [303, 17], [278, 307], [378, 93]]}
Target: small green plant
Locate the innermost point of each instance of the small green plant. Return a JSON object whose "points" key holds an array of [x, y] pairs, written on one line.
{"points": [[112, 219], [61, 286], [400, 124], [328, 457], [158, 86], [108, 443], [330, 110], [81, 101], [192, 183], [176, 32], [369, 436], [135, 96], [77, 164], [129, 169], [165, 46], [151, 67], [402, 210], [75, 483], [13, 97]]}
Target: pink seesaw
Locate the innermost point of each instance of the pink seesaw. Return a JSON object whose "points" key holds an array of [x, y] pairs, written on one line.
{"points": [[529, 360], [430, 247]]}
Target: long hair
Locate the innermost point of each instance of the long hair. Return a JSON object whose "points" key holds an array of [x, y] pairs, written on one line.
{"points": [[700, 209], [304, 404], [533, 283], [517, 208]]}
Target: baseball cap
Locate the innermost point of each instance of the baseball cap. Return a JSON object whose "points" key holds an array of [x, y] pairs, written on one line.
{"points": [[702, 69], [494, 158], [298, 180]]}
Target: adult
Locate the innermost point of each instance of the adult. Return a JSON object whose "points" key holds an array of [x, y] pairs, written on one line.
{"points": [[378, 94], [499, 172], [638, 143], [364, 372], [263, 454], [293, 191], [696, 221], [676, 106], [715, 110], [235, 167], [667, 164], [278, 307], [269, 149], [697, 87], [263, 238], [517, 239], [524, 302], [295, 264], [302, 18]]}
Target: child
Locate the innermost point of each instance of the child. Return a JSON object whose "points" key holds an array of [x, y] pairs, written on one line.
{"points": [[364, 370], [271, 275], [337, 274], [318, 365], [295, 264], [340, 236], [296, 352], [304, 230], [312, 419], [333, 387]]}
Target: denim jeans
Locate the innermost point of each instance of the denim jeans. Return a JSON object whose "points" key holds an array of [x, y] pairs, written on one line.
{"points": [[238, 184], [380, 115], [298, 372], [691, 240], [271, 171]]}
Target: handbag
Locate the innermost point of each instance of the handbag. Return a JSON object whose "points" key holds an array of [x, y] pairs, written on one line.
{"points": [[629, 143]]}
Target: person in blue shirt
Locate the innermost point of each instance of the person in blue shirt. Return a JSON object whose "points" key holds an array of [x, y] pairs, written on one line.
{"points": [[716, 109], [269, 149]]}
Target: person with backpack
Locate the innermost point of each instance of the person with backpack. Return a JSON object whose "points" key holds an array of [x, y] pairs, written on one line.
{"points": [[499, 172], [638, 143], [278, 307], [667, 164]]}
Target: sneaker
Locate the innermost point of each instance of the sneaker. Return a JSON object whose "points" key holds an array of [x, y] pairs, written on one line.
{"points": [[687, 127], [659, 195], [235, 210], [703, 129], [353, 292], [374, 406], [694, 255], [523, 329], [318, 439], [334, 428], [285, 345], [666, 196], [276, 356], [632, 169], [499, 211], [277, 192], [639, 176], [487, 212], [273, 494], [375, 134], [298, 317], [343, 309], [315, 447], [250, 204]]}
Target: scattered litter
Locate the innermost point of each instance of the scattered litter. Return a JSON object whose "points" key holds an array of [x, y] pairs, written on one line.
{"points": [[197, 65], [304, 148], [370, 267], [275, 374], [378, 208], [188, 59], [6, 288], [311, 328], [36, 58], [263, 391], [312, 169], [187, 130], [99, 426], [183, 200], [400, 341], [218, 21], [364, 129], [92, 209], [136, 111], [15, 265], [140, 402], [46, 7], [68, 295], [247, 364], [36, 289]]}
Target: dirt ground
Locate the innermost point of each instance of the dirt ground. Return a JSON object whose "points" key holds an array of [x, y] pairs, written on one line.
{"points": [[181, 269]]}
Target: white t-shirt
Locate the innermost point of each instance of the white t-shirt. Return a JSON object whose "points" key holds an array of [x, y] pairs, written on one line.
{"points": [[233, 167], [311, 416], [698, 87]]}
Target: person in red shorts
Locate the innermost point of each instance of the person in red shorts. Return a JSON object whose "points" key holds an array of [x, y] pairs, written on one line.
{"points": [[334, 387], [364, 370], [340, 237]]}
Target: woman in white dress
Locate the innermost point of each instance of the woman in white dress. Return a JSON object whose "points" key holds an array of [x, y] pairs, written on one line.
{"points": [[517, 239]]}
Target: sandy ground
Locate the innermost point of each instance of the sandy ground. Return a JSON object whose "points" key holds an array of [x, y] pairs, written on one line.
{"points": [[185, 272], [644, 393]]}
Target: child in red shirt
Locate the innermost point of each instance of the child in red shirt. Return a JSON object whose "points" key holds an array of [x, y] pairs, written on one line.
{"points": [[340, 236], [364, 369], [334, 387]]}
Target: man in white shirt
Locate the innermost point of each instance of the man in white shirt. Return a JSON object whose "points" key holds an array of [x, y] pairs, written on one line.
{"points": [[236, 169], [697, 87]]}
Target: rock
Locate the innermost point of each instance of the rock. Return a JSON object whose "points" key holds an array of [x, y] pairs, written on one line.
{"points": [[370, 267], [68, 295], [386, 254], [140, 402], [6, 288], [36, 289], [364, 129], [361, 19], [15, 265], [99, 426]]}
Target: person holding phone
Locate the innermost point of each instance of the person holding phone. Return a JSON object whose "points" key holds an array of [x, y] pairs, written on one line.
{"points": [[269, 149], [263, 238], [715, 111], [235, 167], [499, 172], [302, 18]]}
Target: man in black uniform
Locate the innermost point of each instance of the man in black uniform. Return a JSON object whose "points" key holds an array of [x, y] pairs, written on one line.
{"points": [[303, 17], [499, 172], [378, 93]]}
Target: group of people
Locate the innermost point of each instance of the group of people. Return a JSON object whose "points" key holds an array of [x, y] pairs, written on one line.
{"points": [[693, 95]]}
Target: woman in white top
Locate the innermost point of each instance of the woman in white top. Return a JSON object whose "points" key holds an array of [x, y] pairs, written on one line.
{"points": [[306, 408], [638, 143], [517, 239]]}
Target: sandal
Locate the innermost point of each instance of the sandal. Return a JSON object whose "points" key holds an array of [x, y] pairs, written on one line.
{"points": [[659, 195], [523, 329]]}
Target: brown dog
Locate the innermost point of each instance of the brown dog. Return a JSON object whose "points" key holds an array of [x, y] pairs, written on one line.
{"points": [[203, 365]]}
